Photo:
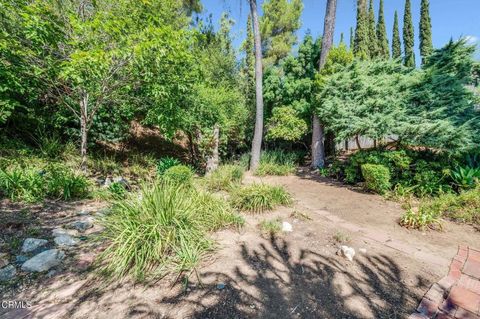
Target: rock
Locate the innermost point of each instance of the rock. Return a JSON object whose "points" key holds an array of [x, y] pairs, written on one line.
{"points": [[81, 225], [107, 182], [347, 252], [44, 261], [20, 259], [100, 181], [61, 231], [287, 227], [32, 244], [123, 181], [65, 240], [4, 259], [83, 212], [8, 273], [221, 286], [363, 250]]}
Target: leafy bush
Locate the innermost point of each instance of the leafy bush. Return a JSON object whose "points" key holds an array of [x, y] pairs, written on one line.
{"points": [[31, 184], [117, 190], [429, 182], [165, 163], [164, 230], [257, 198], [285, 124], [179, 174], [224, 177], [377, 177]]}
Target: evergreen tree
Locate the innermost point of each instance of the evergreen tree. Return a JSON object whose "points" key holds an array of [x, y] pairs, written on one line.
{"points": [[249, 65], [280, 21], [383, 50], [408, 35], [372, 32], [342, 40], [361, 48], [426, 46], [396, 44], [352, 39]]}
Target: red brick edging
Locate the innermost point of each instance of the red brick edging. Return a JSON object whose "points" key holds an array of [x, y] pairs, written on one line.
{"points": [[456, 295]]}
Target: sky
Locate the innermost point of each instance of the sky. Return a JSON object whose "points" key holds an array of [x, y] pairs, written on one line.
{"points": [[450, 18]]}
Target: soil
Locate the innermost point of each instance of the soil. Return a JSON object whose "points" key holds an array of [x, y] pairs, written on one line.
{"points": [[290, 275]]}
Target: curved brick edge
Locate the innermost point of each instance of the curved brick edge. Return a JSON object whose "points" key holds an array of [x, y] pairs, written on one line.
{"points": [[434, 303]]}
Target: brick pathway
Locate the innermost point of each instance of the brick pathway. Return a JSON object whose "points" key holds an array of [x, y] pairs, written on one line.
{"points": [[456, 295]]}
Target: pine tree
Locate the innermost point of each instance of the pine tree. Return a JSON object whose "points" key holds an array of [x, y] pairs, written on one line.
{"points": [[382, 34], [352, 39], [361, 48], [372, 32], [426, 46], [408, 35], [396, 44]]}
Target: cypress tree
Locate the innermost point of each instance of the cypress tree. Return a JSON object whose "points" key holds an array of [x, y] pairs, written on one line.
{"points": [[408, 35], [426, 46], [361, 48], [383, 50], [372, 32], [396, 44], [352, 39]]}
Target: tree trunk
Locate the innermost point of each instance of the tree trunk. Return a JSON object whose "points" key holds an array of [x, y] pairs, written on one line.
{"points": [[357, 140], [258, 133], [318, 135], [213, 159], [83, 130]]}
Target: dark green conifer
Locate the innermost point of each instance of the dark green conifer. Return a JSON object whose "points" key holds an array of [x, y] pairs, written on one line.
{"points": [[383, 51], [396, 44], [426, 46], [408, 36]]}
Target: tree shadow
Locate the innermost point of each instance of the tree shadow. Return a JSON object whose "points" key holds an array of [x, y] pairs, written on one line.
{"points": [[277, 284]]}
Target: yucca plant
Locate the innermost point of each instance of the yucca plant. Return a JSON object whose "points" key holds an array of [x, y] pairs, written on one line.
{"points": [[257, 198]]}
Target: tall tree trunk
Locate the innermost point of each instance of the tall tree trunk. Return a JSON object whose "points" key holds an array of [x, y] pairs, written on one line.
{"points": [[318, 132], [258, 133], [213, 159], [83, 130]]}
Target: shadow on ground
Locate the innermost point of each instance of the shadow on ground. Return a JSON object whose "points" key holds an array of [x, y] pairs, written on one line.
{"points": [[269, 281]]}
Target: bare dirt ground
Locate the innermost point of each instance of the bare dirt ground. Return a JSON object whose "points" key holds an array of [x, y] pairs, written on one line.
{"points": [[292, 275]]}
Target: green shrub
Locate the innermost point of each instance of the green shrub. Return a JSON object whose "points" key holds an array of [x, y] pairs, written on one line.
{"points": [[224, 177], [257, 198], [429, 182], [181, 174], [377, 178], [162, 231], [273, 169], [165, 163], [31, 184], [117, 190], [277, 163]]}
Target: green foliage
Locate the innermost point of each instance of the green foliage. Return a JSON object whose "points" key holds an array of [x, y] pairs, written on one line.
{"points": [[270, 227], [444, 115], [396, 43], [426, 45], [117, 190], [383, 50], [165, 163], [465, 177], [163, 231], [276, 162], [278, 24], [464, 207], [372, 33], [408, 36], [429, 182], [33, 184], [361, 45], [285, 125], [179, 174], [377, 178], [224, 178], [366, 98], [258, 198]]}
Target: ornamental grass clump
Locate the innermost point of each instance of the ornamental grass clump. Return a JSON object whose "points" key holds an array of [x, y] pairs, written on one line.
{"points": [[257, 198], [224, 178], [163, 230]]}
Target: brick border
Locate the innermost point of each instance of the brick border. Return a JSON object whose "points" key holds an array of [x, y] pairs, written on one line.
{"points": [[435, 303]]}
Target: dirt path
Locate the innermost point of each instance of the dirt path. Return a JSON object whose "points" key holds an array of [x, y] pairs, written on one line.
{"points": [[294, 275]]}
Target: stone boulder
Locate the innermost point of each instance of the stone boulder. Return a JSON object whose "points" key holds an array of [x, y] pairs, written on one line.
{"points": [[44, 261], [33, 244]]}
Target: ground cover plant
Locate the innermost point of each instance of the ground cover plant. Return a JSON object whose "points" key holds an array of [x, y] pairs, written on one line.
{"points": [[225, 177], [276, 162]]}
